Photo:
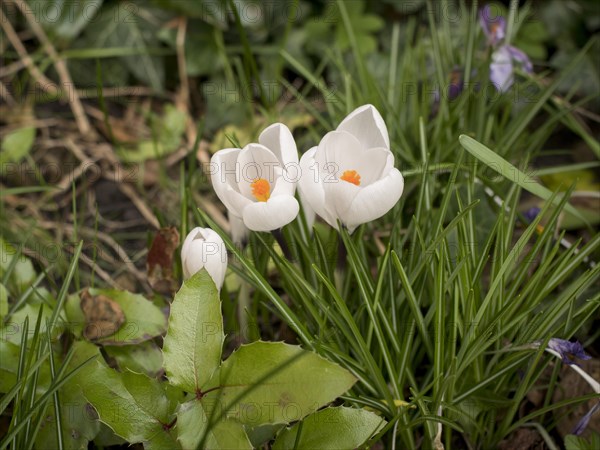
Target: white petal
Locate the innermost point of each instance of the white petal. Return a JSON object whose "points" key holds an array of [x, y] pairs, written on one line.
{"points": [[272, 214], [339, 196], [367, 125], [309, 213], [210, 254], [223, 176], [256, 161], [195, 233], [191, 253], [239, 231], [283, 187], [342, 151], [375, 200], [311, 186], [278, 138]]}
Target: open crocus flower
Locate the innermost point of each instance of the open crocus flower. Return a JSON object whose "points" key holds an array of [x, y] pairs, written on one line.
{"points": [[257, 183], [203, 248], [350, 175]]}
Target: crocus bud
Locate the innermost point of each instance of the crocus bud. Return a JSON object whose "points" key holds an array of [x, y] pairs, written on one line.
{"points": [[350, 176], [204, 249]]}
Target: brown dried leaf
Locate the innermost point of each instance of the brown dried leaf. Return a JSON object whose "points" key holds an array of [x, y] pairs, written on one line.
{"points": [[103, 316], [160, 260]]}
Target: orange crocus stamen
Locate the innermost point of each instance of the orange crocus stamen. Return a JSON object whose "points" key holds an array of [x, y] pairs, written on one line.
{"points": [[261, 189], [351, 176]]}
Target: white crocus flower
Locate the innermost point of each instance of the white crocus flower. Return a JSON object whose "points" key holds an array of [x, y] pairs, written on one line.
{"points": [[257, 183], [203, 248], [350, 175]]}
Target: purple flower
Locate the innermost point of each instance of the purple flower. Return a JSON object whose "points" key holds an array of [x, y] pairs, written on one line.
{"points": [[504, 56], [583, 422], [532, 213], [502, 66], [568, 349], [493, 25], [456, 85]]}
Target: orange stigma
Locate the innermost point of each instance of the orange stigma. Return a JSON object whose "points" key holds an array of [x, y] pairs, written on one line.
{"points": [[351, 176], [261, 189]]}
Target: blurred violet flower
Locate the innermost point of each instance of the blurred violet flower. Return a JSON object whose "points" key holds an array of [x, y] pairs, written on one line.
{"points": [[493, 25], [452, 90], [532, 213], [567, 349], [564, 350], [502, 66], [585, 420], [504, 56]]}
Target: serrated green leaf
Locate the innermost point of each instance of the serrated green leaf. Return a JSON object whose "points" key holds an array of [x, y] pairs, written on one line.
{"points": [[79, 422], [297, 383], [194, 340], [107, 437], [16, 145], [22, 274], [151, 395], [262, 434], [143, 358], [192, 420], [134, 406], [143, 319], [338, 428]]}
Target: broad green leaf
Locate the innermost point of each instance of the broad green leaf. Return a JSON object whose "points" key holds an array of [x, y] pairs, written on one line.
{"points": [[66, 19], [16, 145], [202, 55], [107, 437], [131, 26], [9, 362], [331, 428], [144, 358], [3, 301], [573, 442], [362, 25], [134, 406], [11, 330], [22, 274], [75, 317], [279, 383], [262, 434], [168, 129], [157, 399], [194, 340], [192, 424], [510, 172], [143, 319], [79, 422]]}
